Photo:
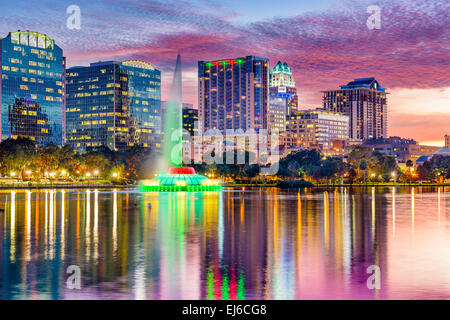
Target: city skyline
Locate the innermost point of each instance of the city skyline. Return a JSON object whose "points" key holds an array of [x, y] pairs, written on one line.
{"points": [[326, 45]]}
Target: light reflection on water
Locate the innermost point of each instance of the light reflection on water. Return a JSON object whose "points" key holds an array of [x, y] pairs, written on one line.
{"points": [[236, 244]]}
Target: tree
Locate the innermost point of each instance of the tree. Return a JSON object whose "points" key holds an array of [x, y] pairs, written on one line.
{"points": [[409, 163], [422, 172], [16, 155]]}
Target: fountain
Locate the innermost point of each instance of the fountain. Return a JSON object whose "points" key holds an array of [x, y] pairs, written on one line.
{"points": [[175, 176]]}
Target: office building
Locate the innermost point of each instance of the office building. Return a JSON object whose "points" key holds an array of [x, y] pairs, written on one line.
{"points": [[277, 113], [190, 119], [282, 85], [402, 149], [32, 88], [114, 104], [364, 102], [447, 140], [324, 131], [234, 94]]}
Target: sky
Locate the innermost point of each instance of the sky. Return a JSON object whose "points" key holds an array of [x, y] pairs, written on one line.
{"points": [[326, 43]]}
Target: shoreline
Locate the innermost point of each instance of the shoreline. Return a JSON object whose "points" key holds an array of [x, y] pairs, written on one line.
{"points": [[230, 185]]}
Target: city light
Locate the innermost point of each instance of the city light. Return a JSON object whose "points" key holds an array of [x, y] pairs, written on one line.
{"points": [[115, 174], [13, 174]]}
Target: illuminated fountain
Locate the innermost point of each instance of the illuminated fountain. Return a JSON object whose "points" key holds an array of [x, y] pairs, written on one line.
{"points": [[176, 177]]}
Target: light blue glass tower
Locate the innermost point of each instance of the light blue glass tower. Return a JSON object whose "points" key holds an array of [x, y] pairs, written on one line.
{"points": [[32, 88]]}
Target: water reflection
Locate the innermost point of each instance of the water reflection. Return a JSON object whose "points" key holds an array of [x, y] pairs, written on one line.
{"points": [[236, 244]]}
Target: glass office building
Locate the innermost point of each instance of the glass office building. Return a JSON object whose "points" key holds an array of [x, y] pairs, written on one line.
{"points": [[32, 88], [234, 93], [114, 104]]}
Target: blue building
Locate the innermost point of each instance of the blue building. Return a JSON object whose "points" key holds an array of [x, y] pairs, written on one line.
{"points": [[114, 104], [234, 93], [32, 88]]}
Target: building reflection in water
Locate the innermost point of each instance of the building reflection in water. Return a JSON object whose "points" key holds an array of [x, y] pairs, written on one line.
{"points": [[235, 244]]}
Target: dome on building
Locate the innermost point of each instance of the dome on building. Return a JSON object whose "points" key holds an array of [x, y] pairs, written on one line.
{"points": [[282, 68], [442, 152]]}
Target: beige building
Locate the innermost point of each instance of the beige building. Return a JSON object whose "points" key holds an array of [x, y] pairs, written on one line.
{"points": [[447, 140], [364, 102], [316, 129], [402, 149]]}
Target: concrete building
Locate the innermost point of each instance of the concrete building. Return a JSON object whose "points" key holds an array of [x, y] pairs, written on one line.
{"points": [[317, 129], [447, 140], [277, 113], [402, 149], [364, 102]]}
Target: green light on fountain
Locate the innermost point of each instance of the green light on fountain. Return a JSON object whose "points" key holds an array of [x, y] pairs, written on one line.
{"points": [[177, 178]]}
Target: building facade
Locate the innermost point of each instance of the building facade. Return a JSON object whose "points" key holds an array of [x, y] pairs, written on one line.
{"points": [[190, 120], [277, 113], [402, 149], [447, 140], [364, 102], [282, 84], [32, 93], [317, 129], [233, 94], [114, 104]]}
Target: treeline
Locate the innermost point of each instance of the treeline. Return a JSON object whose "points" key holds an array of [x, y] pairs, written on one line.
{"points": [[361, 166], [21, 158]]}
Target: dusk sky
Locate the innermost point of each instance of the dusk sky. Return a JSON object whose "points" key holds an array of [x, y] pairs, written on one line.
{"points": [[326, 43]]}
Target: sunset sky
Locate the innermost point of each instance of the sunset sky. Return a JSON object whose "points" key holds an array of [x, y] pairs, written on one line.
{"points": [[326, 43]]}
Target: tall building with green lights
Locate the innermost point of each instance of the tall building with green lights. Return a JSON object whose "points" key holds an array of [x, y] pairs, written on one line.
{"points": [[234, 94], [114, 104], [32, 72]]}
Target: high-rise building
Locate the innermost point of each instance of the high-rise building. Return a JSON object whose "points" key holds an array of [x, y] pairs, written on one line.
{"points": [[282, 84], [234, 93], [277, 113], [190, 118], [317, 129], [447, 140], [364, 101], [32, 88], [114, 104]]}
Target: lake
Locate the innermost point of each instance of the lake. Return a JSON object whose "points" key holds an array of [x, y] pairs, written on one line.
{"points": [[261, 243]]}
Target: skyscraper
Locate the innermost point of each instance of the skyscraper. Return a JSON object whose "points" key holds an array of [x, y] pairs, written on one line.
{"points": [[282, 84], [447, 140], [234, 93], [114, 104], [364, 101], [32, 88]]}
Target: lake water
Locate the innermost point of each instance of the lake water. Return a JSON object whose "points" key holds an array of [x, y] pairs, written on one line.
{"points": [[234, 244]]}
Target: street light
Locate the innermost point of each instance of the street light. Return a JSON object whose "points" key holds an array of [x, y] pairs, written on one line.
{"points": [[115, 175], [13, 174], [96, 172]]}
